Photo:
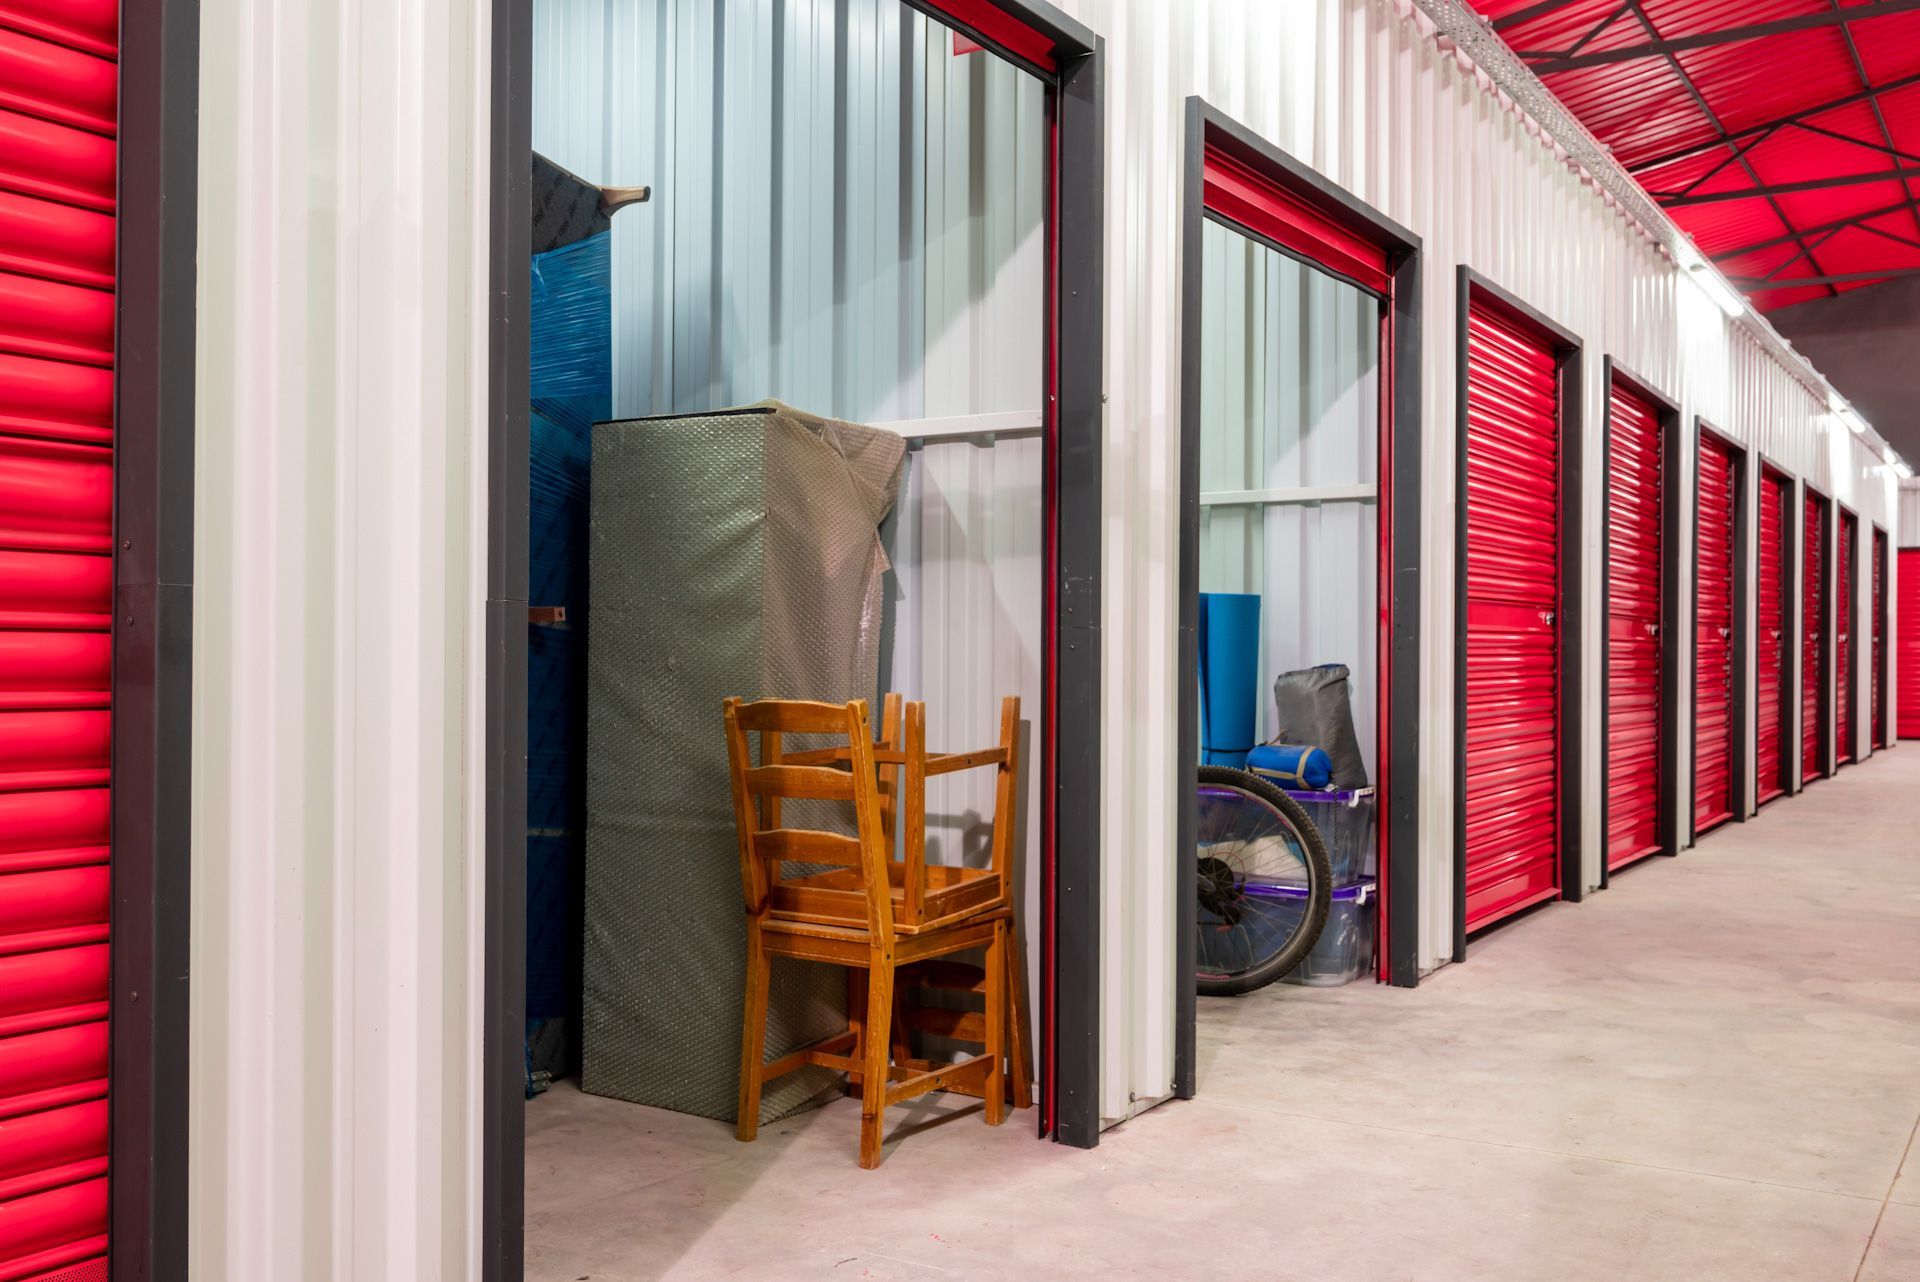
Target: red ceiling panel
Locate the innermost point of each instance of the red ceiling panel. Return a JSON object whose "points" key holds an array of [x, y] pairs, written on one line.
{"points": [[1706, 98]]}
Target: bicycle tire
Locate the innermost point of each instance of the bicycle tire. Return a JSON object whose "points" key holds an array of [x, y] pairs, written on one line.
{"points": [[1319, 889]]}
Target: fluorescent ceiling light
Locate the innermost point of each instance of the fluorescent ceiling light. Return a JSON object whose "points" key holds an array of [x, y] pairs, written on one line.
{"points": [[1851, 417], [1901, 470], [1715, 286]]}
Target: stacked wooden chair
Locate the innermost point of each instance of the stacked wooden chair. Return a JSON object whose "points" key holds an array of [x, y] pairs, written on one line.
{"points": [[895, 923]]}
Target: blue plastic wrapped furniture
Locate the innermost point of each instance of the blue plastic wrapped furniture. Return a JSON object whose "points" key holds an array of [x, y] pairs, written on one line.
{"points": [[1229, 651]]}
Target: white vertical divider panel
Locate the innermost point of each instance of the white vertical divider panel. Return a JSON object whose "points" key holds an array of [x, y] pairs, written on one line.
{"points": [[340, 578]]}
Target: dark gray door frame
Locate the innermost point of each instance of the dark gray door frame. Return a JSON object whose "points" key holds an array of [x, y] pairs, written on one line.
{"points": [[158, 159], [1205, 125]]}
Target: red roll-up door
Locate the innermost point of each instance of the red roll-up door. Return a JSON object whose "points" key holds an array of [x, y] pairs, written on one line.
{"points": [[1906, 655], [1878, 658], [1713, 639], [1634, 713], [1771, 642], [1813, 636], [58, 89], [1513, 604], [1843, 598]]}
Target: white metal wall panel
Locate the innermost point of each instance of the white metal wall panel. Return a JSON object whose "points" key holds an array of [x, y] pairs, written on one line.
{"points": [[340, 532], [857, 236], [1358, 91]]}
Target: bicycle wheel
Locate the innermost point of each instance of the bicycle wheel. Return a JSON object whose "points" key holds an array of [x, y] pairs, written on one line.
{"points": [[1264, 883]]}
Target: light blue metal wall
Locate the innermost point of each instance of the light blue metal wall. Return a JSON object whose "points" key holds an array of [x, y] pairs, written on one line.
{"points": [[846, 215]]}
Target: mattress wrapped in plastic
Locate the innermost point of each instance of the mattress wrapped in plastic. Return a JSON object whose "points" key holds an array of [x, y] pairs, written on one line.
{"points": [[731, 553]]}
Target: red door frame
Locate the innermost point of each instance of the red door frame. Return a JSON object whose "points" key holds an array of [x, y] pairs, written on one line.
{"points": [[1475, 290], [1817, 552], [1240, 180], [1668, 784]]}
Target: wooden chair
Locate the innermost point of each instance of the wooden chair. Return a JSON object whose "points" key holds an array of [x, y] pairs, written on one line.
{"points": [[859, 907]]}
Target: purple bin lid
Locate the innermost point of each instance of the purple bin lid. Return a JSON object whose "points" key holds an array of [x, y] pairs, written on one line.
{"points": [[1332, 796]]}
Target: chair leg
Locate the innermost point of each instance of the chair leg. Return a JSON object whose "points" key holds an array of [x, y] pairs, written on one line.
{"points": [[1018, 1060], [856, 1022], [876, 1041], [753, 1036], [996, 1022]]}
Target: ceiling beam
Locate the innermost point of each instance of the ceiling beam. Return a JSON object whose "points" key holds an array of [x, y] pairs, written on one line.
{"points": [[1787, 189], [1546, 63], [1838, 224], [1791, 118], [1844, 278], [1532, 11]]}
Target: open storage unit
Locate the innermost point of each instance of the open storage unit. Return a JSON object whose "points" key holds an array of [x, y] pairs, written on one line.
{"points": [[883, 220]]}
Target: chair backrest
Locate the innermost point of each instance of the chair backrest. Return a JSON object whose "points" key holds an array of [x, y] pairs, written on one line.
{"points": [[815, 774]]}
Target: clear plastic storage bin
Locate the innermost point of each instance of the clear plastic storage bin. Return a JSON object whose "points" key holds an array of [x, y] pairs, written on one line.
{"points": [[1345, 949], [1345, 821]]}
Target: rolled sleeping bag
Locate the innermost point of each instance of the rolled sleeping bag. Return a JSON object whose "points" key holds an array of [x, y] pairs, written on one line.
{"points": [[1292, 765], [1229, 646]]}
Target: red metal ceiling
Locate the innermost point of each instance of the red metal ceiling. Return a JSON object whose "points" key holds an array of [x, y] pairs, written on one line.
{"points": [[1760, 124]]}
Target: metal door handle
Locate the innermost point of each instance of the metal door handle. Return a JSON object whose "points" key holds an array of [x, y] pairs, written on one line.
{"points": [[1653, 629], [1546, 617], [1724, 631]]}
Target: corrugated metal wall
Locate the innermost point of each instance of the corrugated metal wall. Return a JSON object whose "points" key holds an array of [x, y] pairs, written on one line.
{"points": [[340, 536], [1355, 90]]}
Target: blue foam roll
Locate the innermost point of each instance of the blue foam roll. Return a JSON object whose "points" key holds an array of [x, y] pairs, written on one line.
{"points": [[1229, 676]]}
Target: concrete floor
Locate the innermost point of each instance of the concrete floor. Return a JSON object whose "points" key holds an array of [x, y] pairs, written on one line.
{"points": [[1709, 1071]]}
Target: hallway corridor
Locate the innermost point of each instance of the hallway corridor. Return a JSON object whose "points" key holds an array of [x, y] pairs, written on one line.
{"points": [[1709, 1071]]}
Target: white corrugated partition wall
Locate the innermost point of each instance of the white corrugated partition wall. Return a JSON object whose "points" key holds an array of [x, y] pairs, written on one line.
{"points": [[340, 536], [337, 800], [1357, 90]]}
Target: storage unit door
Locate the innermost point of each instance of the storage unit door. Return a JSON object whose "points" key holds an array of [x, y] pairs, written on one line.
{"points": [[1877, 660], [1813, 635], [1713, 640], [1770, 642], [1906, 654], [1513, 603], [1634, 711], [1843, 595], [58, 87]]}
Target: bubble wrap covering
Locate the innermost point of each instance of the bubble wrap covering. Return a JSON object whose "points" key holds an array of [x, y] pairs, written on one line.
{"points": [[731, 553]]}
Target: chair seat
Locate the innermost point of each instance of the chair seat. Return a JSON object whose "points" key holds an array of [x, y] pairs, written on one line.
{"points": [[838, 897]]}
